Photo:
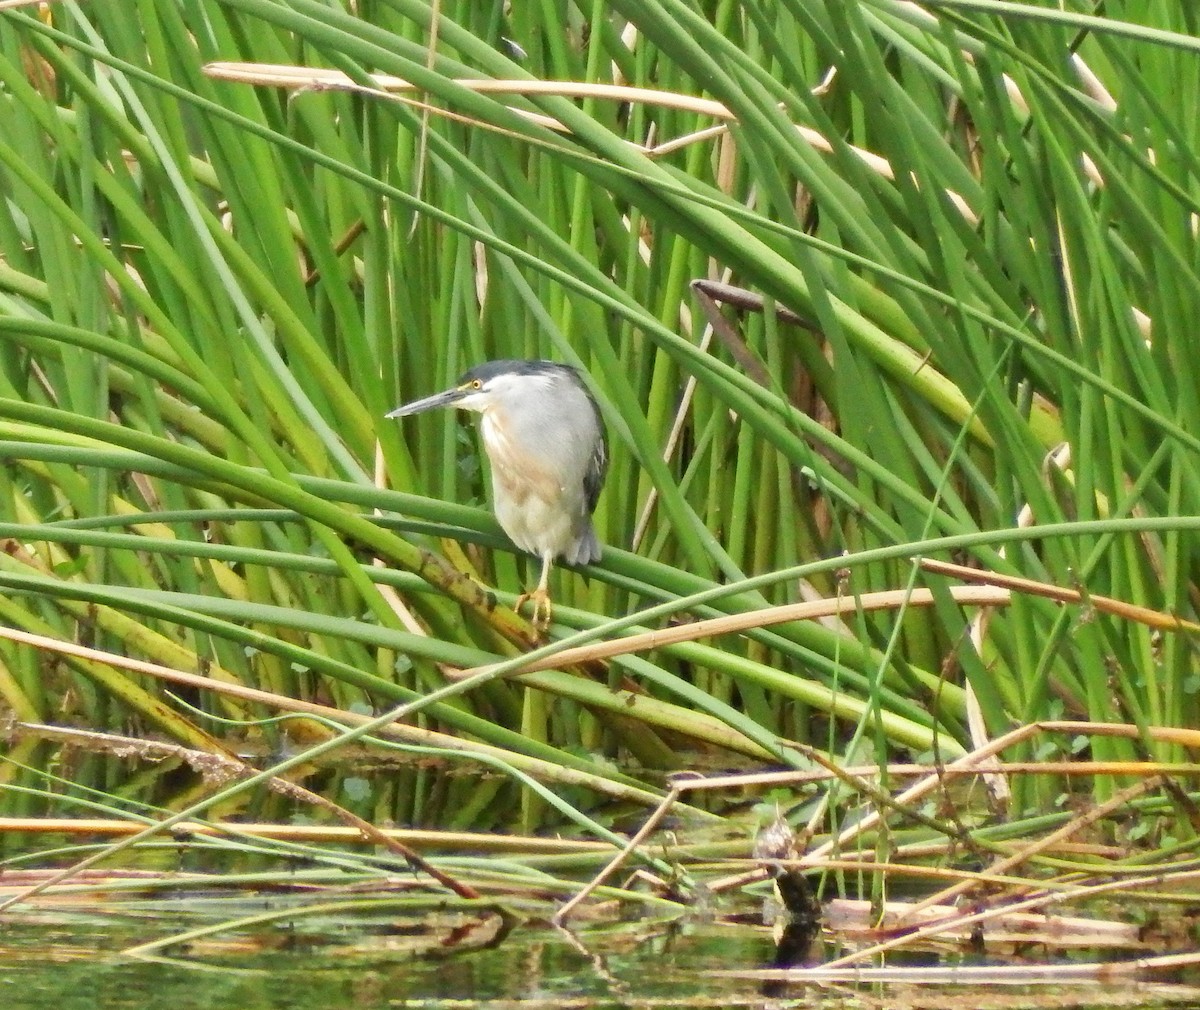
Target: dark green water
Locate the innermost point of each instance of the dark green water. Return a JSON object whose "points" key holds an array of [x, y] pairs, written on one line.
{"points": [[76, 967]]}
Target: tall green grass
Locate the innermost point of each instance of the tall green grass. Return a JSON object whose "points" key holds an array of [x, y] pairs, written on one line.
{"points": [[211, 293]]}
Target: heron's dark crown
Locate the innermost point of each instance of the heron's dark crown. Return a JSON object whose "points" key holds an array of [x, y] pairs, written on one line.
{"points": [[517, 366]]}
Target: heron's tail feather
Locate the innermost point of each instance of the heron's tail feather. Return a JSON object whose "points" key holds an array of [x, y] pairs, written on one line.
{"points": [[586, 549]]}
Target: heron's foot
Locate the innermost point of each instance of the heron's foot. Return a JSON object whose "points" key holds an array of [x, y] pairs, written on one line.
{"points": [[543, 609]]}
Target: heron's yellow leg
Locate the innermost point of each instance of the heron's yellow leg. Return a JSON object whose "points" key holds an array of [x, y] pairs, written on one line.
{"points": [[543, 608]]}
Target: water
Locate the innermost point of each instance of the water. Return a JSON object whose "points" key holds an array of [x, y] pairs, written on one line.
{"points": [[71, 961], [73, 967]]}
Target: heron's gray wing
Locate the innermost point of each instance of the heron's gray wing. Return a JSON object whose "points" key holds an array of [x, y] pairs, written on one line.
{"points": [[593, 479]]}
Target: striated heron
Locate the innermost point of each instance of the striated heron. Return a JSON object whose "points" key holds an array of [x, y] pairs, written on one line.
{"points": [[544, 437]]}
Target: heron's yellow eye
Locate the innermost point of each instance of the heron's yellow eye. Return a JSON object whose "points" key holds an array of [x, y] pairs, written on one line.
{"points": [[476, 384]]}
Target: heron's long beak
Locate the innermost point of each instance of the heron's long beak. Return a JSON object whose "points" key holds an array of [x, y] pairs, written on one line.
{"points": [[445, 399]]}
